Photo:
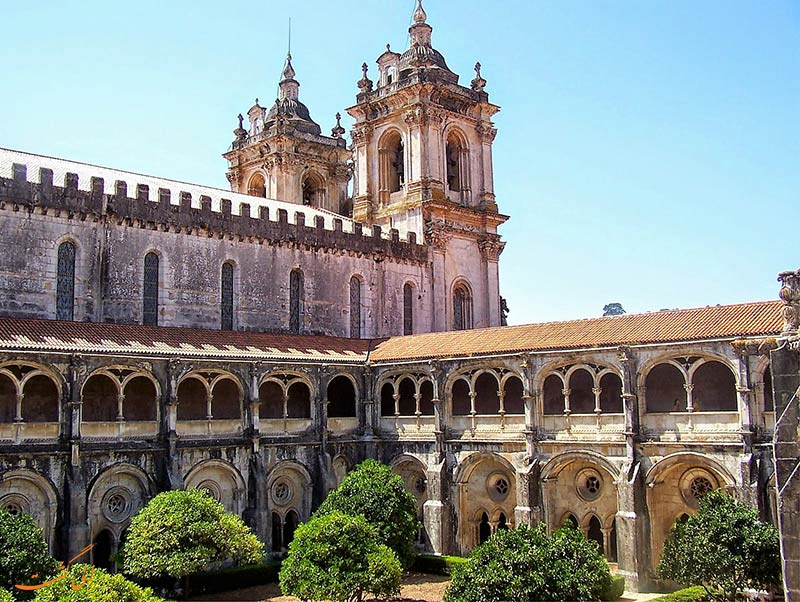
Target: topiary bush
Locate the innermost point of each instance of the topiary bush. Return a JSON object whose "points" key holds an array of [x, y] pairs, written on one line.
{"points": [[695, 593], [23, 553], [525, 564], [93, 585], [5, 595], [339, 558], [614, 590], [182, 532], [724, 547], [437, 565], [379, 495]]}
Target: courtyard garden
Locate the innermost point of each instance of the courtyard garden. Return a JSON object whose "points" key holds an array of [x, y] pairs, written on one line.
{"points": [[360, 545]]}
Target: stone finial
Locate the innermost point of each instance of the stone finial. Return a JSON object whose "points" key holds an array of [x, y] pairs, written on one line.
{"points": [[240, 132], [365, 83], [478, 83], [338, 131], [288, 70], [790, 295], [420, 16]]}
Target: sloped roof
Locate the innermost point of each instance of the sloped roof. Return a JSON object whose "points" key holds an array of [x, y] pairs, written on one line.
{"points": [[705, 323], [126, 339], [715, 322]]}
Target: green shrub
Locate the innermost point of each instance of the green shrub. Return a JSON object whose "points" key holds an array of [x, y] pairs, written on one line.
{"points": [[614, 590], [339, 558], [5, 595], [525, 564], [23, 553], [695, 593], [724, 548], [375, 492], [183, 532], [234, 578], [94, 585], [437, 565]]}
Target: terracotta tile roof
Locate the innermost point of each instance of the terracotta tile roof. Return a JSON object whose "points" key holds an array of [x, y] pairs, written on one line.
{"points": [[716, 322], [83, 337]]}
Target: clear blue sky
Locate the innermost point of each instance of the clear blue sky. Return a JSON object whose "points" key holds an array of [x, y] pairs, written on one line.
{"points": [[648, 151]]}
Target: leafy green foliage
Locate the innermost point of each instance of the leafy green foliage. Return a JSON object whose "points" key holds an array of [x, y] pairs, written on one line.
{"points": [[93, 585], [695, 593], [437, 565], [525, 564], [724, 548], [23, 553], [182, 532], [614, 590], [234, 578], [5, 595], [379, 495], [340, 558]]}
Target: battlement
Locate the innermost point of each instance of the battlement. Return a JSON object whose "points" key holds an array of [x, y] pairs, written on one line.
{"points": [[78, 188]]}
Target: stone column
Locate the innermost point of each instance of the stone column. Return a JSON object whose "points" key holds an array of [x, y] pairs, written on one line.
{"points": [[527, 510], [172, 469], [437, 236], [785, 367], [435, 515], [491, 246], [76, 516]]}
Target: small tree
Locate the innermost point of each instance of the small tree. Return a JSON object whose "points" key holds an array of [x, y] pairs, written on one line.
{"points": [[525, 564], [83, 583], [375, 492], [613, 309], [184, 532], [339, 558], [23, 553], [724, 548]]}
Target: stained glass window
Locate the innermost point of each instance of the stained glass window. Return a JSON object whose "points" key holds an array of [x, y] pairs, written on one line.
{"points": [[150, 290], [65, 284], [295, 301], [355, 308], [227, 296]]}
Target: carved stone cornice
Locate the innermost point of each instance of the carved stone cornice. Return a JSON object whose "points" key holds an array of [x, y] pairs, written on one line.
{"points": [[745, 347], [486, 131], [438, 234], [790, 295], [491, 247], [361, 135]]}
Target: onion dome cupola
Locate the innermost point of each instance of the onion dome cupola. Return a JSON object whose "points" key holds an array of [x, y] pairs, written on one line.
{"points": [[421, 55], [287, 107]]}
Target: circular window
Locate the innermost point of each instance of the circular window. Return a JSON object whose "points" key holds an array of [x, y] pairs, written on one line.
{"points": [[694, 484], [211, 488], [117, 504], [15, 504], [498, 486], [282, 491], [589, 484], [420, 485]]}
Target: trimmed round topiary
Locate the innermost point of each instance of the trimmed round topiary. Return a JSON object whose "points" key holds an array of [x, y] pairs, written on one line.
{"points": [[23, 553], [84, 583], [525, 564]]}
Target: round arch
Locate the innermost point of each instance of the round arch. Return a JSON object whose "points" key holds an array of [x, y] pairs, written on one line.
{"points": [[25, 486]]}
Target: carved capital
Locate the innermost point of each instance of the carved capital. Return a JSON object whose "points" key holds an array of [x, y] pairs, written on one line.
{"points": [[438, 234], [415, 116], [491, 247], [361, 135], [486, 131], [745, 347], [790, 295]]}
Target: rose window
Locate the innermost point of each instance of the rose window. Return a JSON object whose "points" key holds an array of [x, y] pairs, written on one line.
{"points": [[420, 485], [116, 505], [12, 508], [589, 484], [700, 486], [592, 485], [282, 492], [501, 486]]}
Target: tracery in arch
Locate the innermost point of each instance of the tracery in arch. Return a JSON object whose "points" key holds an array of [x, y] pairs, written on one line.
{"points": [[407, 394], [690, 384], [582, 389]]}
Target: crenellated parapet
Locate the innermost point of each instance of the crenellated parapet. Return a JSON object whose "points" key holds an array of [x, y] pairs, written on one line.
{"points": [[176, 207]]}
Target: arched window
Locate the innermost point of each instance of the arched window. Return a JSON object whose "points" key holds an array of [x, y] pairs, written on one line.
{"points": [[8, 399], [769, 400], [270, 394], [426, 398], [714, 388], [298, 401], [487, 400], [100, 399], [313, 190], [462, 308], [192, 400], [461, 399], [40, 400], [611, 393], [484, 528], [256, 186], [355, 308], [407, 401], [387, 400], [595, 533], [457, 163], [139, 402], [341, 398], [391, 166], [408, 309], [295, 301], [553, 394], [665, 390], [581, 397], [225, 400], [150, 290], [226, 286], [513, 392], [65, 284]]}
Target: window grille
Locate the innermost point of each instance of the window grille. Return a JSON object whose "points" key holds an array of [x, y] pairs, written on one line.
{"points": [[150, 290], [227, 296], [65, 284]]}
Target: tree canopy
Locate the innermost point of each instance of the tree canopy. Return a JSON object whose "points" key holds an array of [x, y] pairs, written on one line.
{"points": [[526, 564], [183, 532], [613, 309], [24, 553], [724, 547], [84, 583], [379, 495], [339, 558]]}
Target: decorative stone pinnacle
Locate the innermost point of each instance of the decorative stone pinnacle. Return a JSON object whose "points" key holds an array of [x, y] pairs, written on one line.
{"points": [[388, 47], [790, 295], [478, 84], [338, 131], [365, 83], [419, 14], [288, 71]]}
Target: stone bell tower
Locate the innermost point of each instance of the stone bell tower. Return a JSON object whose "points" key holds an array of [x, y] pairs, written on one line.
{"points": [[284, 156], [422, 148]]}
